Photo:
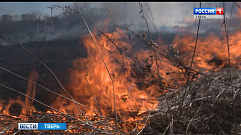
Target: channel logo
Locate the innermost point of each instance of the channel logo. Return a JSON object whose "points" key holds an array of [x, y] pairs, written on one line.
{"points": [[41, 126], [27, 126], [208, 11]]}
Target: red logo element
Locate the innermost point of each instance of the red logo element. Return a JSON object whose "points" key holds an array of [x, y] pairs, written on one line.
{"points": [[219, 11]]}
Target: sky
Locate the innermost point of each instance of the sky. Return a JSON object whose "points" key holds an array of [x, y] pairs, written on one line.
{"points": [[18, 8], [158, 13]]}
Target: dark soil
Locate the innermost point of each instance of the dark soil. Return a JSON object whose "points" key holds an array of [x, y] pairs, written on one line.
{"points": [[57, 55]]}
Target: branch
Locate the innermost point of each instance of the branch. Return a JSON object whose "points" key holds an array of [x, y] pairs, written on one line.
{"points": [[20, 45], [103, 62]]}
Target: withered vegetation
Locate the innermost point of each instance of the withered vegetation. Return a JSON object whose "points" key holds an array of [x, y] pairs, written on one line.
{"points": [[189, 101], [210, 107]]}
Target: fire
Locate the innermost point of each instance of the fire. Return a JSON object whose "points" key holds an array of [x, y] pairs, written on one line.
{"points": [[127, 91], [92, 86], [211, 51], [17, 107]]}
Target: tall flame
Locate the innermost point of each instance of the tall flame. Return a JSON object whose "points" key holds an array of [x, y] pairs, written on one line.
{"points": [[92, 86]]}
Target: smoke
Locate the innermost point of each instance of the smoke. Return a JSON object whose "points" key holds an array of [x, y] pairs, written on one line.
{"points": [[161, 17], [163, 14], [19, 8]]}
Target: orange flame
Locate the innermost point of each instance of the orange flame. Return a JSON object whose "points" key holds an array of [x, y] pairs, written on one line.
{"points": [[211, 51], [92, 85], [23, 107]]}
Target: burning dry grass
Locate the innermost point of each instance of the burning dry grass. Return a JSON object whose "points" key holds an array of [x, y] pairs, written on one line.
{"points": [[108, 100], [209, 107], [97, 124]]}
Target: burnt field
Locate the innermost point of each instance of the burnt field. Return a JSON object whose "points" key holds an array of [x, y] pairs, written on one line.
{"points": [[57, 55]]}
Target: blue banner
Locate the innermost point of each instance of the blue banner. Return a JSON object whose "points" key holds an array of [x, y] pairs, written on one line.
{"points": [[41, 126], [204, 11], [51, 126]]}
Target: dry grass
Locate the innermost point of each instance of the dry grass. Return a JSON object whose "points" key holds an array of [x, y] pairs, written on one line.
{"points": [[209, 107]]}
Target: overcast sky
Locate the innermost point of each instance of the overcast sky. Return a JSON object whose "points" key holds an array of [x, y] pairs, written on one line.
{"points": [[159, 13], [26, 7]]}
